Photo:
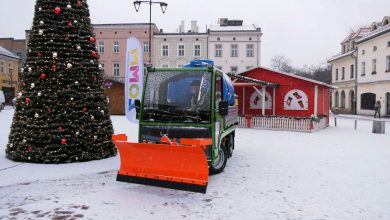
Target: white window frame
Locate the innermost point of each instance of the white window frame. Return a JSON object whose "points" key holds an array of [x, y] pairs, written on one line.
{"points": [[101, 47], [363, 66], [373, 72], [218, 51], [146, 46], [164, 65], [181, 52], [234, 67], [234, 50], [2, 68], [250, 50], [197, 52], [116, 69], [162, 50], [388, 64], [115, 46]]}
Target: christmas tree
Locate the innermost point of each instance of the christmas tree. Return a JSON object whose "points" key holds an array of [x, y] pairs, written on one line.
{"points": [[61, 112]]}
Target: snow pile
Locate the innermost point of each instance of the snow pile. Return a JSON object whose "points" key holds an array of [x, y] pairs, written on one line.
{"points": [[337, 173]]}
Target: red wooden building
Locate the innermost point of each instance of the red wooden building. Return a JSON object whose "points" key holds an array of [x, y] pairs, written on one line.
{"points": [[265, 92]]}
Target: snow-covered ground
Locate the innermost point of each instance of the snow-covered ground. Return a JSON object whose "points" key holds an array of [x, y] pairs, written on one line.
{"points": [[337, 173]]}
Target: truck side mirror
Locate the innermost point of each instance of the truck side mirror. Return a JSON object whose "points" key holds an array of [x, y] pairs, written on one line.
{"points": [[137, 104], [223, 108]]}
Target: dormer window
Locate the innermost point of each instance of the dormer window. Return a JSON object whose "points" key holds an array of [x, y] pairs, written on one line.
{"points": [[374, 48], [374, 26], [363, 52], [385, 21]]}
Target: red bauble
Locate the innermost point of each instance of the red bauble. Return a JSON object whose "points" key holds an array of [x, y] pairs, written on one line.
{"points": [[29, 149], [53, 67], [94, 54], [63, 141], [70, 24], [78, 3], [48, 109], [94, 78], [57, 10], [23, 83], [92, 39], [85, 109], [60, 129], [27, 100], [43, 76]]}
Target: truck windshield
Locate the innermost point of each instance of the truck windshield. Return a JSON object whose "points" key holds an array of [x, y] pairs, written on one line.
{"points": [[177, 96]]}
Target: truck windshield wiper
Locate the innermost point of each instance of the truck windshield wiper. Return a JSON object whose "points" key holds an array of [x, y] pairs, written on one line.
{"points": [[161, 112]]}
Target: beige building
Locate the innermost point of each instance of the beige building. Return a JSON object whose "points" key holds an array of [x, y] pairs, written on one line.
{"points": [[178, 49], [374, 68], [344, 77], [111, 40], [9, 74]]}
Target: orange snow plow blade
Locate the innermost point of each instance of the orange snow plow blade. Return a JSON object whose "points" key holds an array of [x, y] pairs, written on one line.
{"points": [[169, 164]]}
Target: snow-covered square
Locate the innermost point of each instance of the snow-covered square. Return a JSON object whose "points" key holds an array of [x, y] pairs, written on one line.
{"points": [[336, 173]]}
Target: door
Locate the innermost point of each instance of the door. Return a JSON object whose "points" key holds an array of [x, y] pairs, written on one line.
{"points": [[388, 103]]}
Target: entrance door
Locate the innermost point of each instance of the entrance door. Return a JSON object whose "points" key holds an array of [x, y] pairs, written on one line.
{"points": [[388, 103]]}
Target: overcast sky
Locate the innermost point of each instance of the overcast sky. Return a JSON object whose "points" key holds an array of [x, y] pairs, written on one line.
{"points": [[305, 31]]}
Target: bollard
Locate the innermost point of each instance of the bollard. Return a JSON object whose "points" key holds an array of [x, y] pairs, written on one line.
{"points": [[355, 124], [378, 127], [335, 121]]}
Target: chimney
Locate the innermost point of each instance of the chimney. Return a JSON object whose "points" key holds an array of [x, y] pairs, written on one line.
{"points": [[182, 27], [194, 27]]}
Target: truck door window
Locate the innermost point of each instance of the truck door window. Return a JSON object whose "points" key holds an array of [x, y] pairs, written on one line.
{"points": [[218, 91]]}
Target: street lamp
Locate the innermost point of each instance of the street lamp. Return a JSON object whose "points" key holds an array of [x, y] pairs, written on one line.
{"points": [[163, 5]]}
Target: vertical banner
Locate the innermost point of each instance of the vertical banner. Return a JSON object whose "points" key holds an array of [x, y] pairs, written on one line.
{"points": [[134, 77]]}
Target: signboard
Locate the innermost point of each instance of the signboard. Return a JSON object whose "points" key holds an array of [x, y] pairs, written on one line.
{"points": [[133, 77]]}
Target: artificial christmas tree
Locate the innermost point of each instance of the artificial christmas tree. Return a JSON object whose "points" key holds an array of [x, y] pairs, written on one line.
{"points": [[61, 112]]}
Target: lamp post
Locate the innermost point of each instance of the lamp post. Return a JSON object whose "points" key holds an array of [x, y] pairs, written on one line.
{"points": [[163, 5]]}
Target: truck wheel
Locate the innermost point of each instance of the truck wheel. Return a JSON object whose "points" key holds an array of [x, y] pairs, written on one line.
{"points": [[219, 165], [230, 145]]}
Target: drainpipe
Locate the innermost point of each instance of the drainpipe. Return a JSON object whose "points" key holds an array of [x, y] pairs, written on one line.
{"points": [[356, 79]]}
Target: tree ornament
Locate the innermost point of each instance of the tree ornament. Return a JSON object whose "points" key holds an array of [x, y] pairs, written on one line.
{"points": [[102, 111], [100, 66], [24, 141], [68, 65], [78, 3], [68, 6], [39, 9], [36, 115], [39, 94], [70, 24], [32, 85], [20, 94], [57, 10], [78, 47], [85, 109], [29, 69], [71, 99], [63, 141], [94, 54], [77, 133], [41, 23], [53, 67], [43, 75], [29, 149], [92, 117], [29, 158], [40, 32], [60, 129], [94, 78], [75, 22], [49, 109], [95, 137], [22, 70], [92, 39], [55, 55], [76, 83], [27, 101]]}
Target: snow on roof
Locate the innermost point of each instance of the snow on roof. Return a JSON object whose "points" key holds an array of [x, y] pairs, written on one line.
{"points": [[234, 28], [7, 53], [380, 30], [341, 55], [290, 75]]}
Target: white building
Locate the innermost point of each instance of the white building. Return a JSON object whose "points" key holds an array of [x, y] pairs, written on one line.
{"points": [[234, 47], [374, 68], [344, 74], [178, 49]]}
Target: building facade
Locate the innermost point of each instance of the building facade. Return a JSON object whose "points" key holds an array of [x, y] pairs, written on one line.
{"points": [[361, 72], [9, 73], [373, 58], [234, 47], [344, 74], [111, 40], [178, 49]]}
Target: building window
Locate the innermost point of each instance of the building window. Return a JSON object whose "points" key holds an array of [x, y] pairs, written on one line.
{"points": [[374, 48], [101, 47], [352, 71], [373, 67], [337, 74], [249, 50], [165, 50], [388, 44], [10, 69], [367, 101], [180, 50], [233, 69], [164, 66], [116, 47], [336, 99], [102, 67], [249, 67], [388, 64], [363, 68], [197, 50], [116, 69], [19, 54], [234, 50], [2, 68], [343, 73], [363, 52], [342, 99], [146, 46], [218, 50]]}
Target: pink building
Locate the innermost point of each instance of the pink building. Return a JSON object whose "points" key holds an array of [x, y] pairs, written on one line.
{"points": [[111, 45]]}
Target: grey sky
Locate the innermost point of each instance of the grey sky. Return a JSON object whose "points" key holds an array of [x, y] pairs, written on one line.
{"points": [[306, 31]]}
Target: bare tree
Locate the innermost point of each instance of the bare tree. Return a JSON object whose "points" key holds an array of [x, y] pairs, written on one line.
{"points": [[281, 63]]}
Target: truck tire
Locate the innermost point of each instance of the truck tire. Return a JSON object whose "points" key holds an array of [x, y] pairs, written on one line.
{"points": [[230, 145], [219, 165]]}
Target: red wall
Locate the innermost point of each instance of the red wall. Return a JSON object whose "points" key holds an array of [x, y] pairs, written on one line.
{"points": [[286, 83]]}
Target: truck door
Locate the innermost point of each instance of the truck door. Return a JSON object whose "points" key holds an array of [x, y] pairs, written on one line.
{"points": [[218, 118]]}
